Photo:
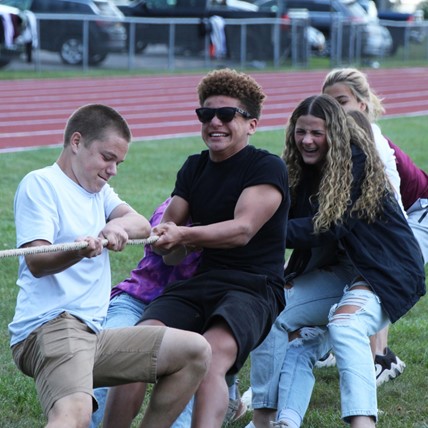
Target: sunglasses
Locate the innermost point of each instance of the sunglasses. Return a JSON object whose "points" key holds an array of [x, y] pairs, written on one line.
{"points": [[225, 114]]}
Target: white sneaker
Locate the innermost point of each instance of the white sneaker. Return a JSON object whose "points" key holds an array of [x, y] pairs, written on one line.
{"points": [[328, 360], [247, 398]]}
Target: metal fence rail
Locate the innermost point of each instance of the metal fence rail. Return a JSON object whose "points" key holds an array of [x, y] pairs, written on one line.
{"points": [[287, 43], [297, 52]]}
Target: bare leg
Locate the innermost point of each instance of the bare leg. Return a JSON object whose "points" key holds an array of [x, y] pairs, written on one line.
{"points": [[263, 417], [71, 411], [183, 361], [362, 422], [123, 404], [380, 340], [211, 399]]}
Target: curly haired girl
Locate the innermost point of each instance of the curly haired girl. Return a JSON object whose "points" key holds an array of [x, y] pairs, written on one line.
{"points": [[347, 277]]}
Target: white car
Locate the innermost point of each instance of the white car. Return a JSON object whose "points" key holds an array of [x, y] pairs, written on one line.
{"points": [[378, 41], [13, 23]]}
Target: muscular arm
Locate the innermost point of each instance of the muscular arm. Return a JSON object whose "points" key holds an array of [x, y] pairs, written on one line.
{"points": [[177, 211], [254, 208]]}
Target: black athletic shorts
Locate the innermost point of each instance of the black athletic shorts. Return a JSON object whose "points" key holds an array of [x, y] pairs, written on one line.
{"points": [[248, 303]]}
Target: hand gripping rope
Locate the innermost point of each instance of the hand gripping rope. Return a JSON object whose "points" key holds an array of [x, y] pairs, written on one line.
{"points": [[70, 246]]}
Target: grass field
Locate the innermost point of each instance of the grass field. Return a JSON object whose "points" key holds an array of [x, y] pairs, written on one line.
{"points": [[144, 180]]}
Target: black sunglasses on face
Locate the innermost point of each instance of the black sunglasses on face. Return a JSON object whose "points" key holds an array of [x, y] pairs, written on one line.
{"points": [[225, 114]]}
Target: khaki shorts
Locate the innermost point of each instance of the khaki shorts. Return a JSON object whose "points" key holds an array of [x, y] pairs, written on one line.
{"points": [[64, 356]]}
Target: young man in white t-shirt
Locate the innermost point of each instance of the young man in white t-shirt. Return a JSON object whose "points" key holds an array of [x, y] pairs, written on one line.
{"points": [[56, 335]]}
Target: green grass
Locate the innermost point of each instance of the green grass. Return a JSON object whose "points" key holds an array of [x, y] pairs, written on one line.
{"points": [[144, 180]]}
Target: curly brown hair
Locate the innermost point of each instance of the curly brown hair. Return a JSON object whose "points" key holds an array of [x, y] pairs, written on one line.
{"points": [[234, 84], [334, 193]]}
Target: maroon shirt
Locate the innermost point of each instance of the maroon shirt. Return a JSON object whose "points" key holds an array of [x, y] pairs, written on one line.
{"points": [[413, 180]]}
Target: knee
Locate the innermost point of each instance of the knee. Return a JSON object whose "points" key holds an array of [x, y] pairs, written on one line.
{"points": [[74, 411], [183, 350], [200, 354], [350, 305]]}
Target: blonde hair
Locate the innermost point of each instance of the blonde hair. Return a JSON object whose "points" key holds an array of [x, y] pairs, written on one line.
{"points": [[334, 193], [358, 84]]}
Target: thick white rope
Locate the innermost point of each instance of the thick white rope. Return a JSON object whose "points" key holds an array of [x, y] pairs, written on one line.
{"points": [[68, 246]]}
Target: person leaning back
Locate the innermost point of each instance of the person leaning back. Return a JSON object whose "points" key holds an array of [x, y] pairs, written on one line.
{"points": [[63, 297], [237, 197]]}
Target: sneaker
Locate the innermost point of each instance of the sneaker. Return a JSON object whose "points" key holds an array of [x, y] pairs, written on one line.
{"points": [[328, 360], [236, 409], [279, 424], [247, 398], [388, 367]]}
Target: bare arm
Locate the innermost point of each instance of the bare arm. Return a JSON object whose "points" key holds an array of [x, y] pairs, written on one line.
{"points": [[177, 211], [254, 208], [50, 263], [124, 223]]}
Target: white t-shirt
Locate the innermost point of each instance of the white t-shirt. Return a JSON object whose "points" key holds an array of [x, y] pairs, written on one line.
{"points": [[387, 156], [51, 207]]}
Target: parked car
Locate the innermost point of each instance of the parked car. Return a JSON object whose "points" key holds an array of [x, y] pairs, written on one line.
{"points": [[12, 25], [191, 38], [66, 36], [376, 39], [399, 24], [316, 38]]}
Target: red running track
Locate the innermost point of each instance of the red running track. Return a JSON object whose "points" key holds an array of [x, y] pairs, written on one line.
{"points": [[33, 112]]}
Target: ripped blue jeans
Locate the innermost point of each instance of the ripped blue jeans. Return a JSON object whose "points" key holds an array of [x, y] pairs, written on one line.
{"points": [[282, 371]]}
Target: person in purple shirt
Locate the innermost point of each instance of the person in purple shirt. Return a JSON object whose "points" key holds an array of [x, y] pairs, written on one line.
{"points": [[151, 275], [128, 301]]}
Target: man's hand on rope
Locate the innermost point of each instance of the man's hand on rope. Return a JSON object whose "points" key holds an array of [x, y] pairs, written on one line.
{"points": [[94, 248], [116, 236], [67, 246], [170, 237]]}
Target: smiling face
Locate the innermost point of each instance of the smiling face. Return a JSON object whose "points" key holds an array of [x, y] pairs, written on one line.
{"points": [[345, 97], [225, 139], [311, 139], [92, 165]]}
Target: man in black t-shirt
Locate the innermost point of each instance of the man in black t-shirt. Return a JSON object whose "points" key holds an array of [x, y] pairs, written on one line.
{"points": [[237, 197]]}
